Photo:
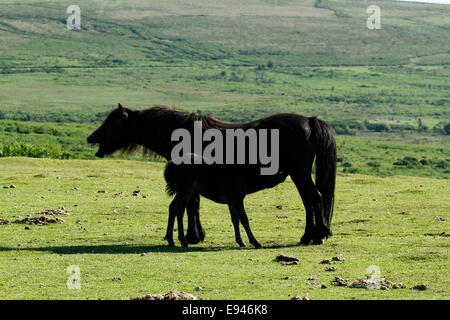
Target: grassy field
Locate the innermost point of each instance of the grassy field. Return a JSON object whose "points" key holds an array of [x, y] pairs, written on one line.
{"points": [[378, 221], [385, 92], [237, 62], [233, 60]]}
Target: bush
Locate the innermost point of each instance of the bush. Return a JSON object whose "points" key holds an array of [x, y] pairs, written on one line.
{"points": [[30, 151], [378, 127], [373, 164], [409, 162], [447, 129]]}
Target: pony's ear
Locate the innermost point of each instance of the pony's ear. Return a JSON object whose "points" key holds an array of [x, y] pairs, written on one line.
{"points": [[123, 112]]}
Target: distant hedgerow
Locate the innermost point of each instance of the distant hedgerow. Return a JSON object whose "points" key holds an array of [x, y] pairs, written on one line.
{"points": [[30, 151]]}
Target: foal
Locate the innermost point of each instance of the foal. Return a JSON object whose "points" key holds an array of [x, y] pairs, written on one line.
{"points": [[219, 183]]}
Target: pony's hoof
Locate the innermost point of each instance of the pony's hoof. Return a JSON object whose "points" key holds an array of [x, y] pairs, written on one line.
{"points": [[257, 246], [305, 241], [319, 241], [194, 237], [242, 244], [169, 242], [183, 242]]}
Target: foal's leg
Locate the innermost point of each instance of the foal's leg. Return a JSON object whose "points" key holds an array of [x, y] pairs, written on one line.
{"points": [[195, 232], [235, 220], [239, 207], [176, 209]]}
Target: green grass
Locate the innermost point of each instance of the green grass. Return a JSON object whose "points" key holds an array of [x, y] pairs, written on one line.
{"points": [[236, 62], [389, 233]]}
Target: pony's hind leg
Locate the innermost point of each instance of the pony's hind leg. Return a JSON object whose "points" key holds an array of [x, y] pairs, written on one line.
{"points": [[176, 209], [321, 231], [315, 230], [303, 190], [195, 232], [238, 206]]}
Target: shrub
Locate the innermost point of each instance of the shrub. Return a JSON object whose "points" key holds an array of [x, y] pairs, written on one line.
{"points": [[30, 151], [447, 129], [409, 162], [378, 127], [373, 164]]}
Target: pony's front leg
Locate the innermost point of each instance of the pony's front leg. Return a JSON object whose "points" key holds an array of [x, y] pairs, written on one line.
{"points": [[195, 232], [235, 220]]}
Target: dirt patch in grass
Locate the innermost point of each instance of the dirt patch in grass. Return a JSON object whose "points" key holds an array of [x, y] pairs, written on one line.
{"points": [[381, 284], [47, 216], [172, 295], [4, 221], [54, 212], [40, 221]]}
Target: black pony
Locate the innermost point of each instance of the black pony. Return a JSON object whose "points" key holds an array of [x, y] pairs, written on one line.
{"points": [[301, 140]]}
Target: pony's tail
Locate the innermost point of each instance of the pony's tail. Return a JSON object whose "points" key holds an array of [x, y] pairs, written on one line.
{"points": [[326, 159]]}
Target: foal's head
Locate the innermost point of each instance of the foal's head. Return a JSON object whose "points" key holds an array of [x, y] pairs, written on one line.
{"points": [[114, 133]]}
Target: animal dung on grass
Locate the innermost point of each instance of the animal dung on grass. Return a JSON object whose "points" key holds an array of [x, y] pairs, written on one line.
{"points": [[40, 221], [286, 260], [340, 282], [338, 258], [4, 221], [381, 284], [305, 298], [53, 212], [421, 287], [172, 295], [46, 216]]}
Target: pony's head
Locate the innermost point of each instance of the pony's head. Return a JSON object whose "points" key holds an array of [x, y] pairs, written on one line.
{"points": [[114, 133]]}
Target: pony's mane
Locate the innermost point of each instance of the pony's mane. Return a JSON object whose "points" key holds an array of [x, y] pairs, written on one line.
{"points": [[177, 114], [164, 114]]}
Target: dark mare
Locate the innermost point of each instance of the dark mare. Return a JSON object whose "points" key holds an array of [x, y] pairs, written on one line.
{"points": [[301, 141]]}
